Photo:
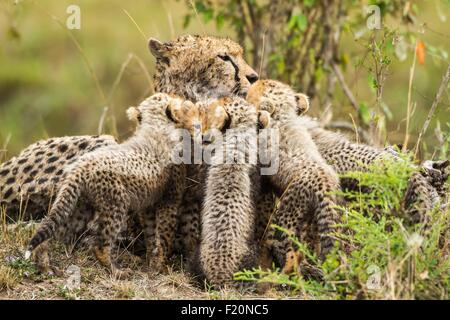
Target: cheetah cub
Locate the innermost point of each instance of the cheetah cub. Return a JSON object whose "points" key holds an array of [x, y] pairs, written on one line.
{"points": [[232, 185], [130, 177], [304, 181]]}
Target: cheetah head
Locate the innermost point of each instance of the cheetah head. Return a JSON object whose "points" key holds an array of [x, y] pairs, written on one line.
{"points": [[161, 108], [199, 67], [278, 99]]}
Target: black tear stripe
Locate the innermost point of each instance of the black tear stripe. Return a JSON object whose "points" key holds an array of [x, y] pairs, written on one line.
{"points": [[237, 79], [236, 71]]}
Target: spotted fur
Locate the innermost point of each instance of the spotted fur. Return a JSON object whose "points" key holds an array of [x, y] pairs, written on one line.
{"points": [[131, 177], [232, 185], [345, 156], [198, 68], [304, 182], [29, 180]]}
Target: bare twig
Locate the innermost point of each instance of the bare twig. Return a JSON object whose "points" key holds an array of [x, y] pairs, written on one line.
{"points": [[262, 52], [344, 86], [249, 26], [436, 101], [343, 125], [198, 16], [136, 25], [102, 120], [85, 58], [119, 76], [408, 107], [124, 66], [169, 20]]}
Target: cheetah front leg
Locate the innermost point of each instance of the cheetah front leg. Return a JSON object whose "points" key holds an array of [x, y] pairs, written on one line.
{"points": [[41, 258], [190, 219], [265, 204], [420, 199], [160, 229], [110, 220], [309, 199], [291, 215], [190, 215]]}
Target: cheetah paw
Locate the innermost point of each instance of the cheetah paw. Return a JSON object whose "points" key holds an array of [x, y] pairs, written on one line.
{"points": [[292, 262]]}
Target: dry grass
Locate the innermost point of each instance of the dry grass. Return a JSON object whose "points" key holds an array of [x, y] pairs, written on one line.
{"points": [[19, 279]]}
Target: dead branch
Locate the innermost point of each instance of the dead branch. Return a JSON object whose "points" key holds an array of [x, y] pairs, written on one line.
{"points": [[436, 101], [347, 126], [344, 85]]}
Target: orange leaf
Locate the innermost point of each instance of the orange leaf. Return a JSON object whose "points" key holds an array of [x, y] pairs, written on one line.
{"points": [[420, 52]]}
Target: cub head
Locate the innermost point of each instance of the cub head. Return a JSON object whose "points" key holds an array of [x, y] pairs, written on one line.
{"points": [[277, 98], [161, 109], [199, 67], [233, 113]]}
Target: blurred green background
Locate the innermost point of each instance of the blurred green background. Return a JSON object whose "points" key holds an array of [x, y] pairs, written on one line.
{"points": [[47, 88]]}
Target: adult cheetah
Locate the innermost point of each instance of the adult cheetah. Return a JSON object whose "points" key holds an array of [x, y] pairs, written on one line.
{"points": [[29, 180], [197, 67]]}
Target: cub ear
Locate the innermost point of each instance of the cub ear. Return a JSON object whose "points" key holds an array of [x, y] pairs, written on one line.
{"points": [[174, 112], [159, 49], [302, 103], [134, 114], [263, 119]]}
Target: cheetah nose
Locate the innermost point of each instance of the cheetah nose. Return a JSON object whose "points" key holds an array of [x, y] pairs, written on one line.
{"points": [[252, 78]]}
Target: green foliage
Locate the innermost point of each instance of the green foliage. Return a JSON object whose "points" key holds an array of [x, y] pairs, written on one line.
{"points": [[380, 256], [299, 42], [387, 181], [298, 21]]}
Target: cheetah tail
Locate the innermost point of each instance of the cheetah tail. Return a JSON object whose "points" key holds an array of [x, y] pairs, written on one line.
{"points": [[61, 211]]}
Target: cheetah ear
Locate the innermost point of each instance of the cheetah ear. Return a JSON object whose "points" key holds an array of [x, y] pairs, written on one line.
{"points": [[134, 114], [263, 119], [158, 49], [302, 103], [173, 112]]}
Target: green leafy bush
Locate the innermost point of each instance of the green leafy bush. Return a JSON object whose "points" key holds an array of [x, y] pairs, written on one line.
{"points": [[380, 256]]}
